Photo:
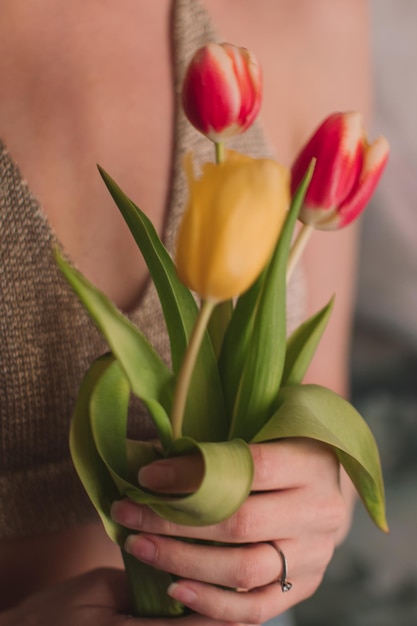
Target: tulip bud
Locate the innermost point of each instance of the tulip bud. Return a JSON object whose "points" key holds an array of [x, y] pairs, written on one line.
{"points": [[347, 171], [222, 90], [234, 215]]}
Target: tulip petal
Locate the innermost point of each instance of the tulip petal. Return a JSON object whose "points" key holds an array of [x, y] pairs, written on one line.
{"points": [[249, 79], [213, 99], [376, 156], [346, 173], [231, 208], [335, 146], [221, 92]]}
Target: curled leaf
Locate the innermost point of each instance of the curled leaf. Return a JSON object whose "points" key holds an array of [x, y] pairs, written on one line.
{"points": [[228, 466], [317, 413], [91, 470]]}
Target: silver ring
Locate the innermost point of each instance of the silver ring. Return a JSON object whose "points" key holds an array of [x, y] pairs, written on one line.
{"points": [[286, 585]]}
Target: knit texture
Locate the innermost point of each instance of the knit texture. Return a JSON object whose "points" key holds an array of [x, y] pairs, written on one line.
{"points": [[48, 341]]}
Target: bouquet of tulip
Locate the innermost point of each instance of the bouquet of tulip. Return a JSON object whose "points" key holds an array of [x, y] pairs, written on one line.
{"points": [[235, 377]]}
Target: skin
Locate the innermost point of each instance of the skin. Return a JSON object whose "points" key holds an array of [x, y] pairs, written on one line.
{"points": [[302, 501]]}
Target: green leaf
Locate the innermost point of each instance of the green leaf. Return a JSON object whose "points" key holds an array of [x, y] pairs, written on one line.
{"points": [[179, 307], [92, 471], [148, 586], [109, 404], [205, 416], [149, 377], [228, 466], [302, 345], [265, 354], [227, 480], [100, 455], [317, 413], [140, 453], [148, 590], [235, 343]]}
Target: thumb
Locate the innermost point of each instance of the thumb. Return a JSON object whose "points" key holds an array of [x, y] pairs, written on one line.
{"points": [[182, 474]]}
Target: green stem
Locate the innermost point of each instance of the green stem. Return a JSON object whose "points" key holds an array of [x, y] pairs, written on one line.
{"points": [[148, 590], [298, 248], [220, 152], [187, 367], [218, 324], [223, 312]]}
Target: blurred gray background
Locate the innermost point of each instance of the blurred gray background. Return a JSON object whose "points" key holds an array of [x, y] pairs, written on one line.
{"points": [[372, 580]]}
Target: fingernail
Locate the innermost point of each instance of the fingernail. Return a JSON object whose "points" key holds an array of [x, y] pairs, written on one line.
{"points": [[182, 593], [126, 514], [158, 475], [141, 548]]}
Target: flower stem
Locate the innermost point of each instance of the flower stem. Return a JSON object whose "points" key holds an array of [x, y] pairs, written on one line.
{"points": [[221, 317], [147, 590], [218, 324], [187, 367], [298, 248], [220, 151]]}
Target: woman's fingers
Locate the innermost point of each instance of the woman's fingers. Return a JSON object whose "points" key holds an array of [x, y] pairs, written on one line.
{"points": [[294, 481], [254, 570], [237, 567], [262, 517], [193, 619], [278, 465], [96, 597], [243, 567], [291, 463], [258, 519], [305, 568], [254, 607], [296, 504], [176, 475]]}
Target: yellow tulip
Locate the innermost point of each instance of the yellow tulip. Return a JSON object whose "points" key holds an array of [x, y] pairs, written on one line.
{"points": [[231, 224]]}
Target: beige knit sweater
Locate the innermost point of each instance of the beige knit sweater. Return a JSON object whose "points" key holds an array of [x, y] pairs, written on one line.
{"points": [[47, 341]]}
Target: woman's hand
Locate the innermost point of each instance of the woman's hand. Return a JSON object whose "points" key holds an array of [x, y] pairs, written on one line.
{"points": [[297, 504], [96, 598]]}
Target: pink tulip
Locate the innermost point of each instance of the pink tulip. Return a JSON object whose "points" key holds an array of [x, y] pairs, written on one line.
{"points": [[347, 171], [222, 90]]}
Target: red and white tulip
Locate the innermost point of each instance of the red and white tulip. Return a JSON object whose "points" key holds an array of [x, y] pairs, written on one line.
{"points": [[222, 90], [346, 173]]}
